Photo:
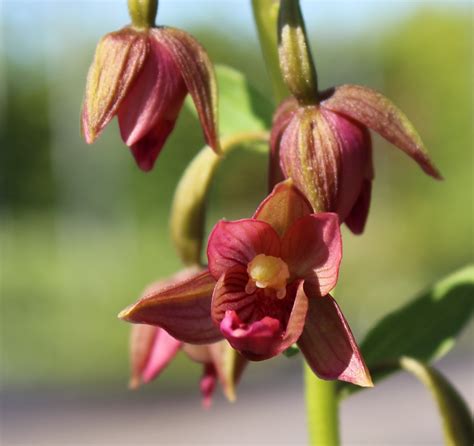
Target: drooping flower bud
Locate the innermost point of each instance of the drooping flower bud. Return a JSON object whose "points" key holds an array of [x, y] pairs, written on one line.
{"points": [[142, 74], [323, 143]]}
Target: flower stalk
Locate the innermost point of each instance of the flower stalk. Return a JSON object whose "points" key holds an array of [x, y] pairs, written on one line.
{"points": [[322, 409], [143, 13], [265, 13]]}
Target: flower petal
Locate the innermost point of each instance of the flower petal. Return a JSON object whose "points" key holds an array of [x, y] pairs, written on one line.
{"points": [[281, 119], [164, 349], [265, 338], [229, 364], [312, 248], [229, 294], [208, 384], [374, 110], [198, 73], [358, 216], [182, 308], [310, 155], [283, 207], [118, 59], [234, 243], [156, 95], [146, 150], [328, 344]]}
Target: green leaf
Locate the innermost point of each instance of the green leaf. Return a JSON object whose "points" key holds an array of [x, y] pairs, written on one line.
{"points": [[242, 108], [457, 421], [425, 329]]}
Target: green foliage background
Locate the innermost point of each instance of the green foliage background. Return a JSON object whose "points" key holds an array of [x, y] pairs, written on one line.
{"points": [[83, 231]]}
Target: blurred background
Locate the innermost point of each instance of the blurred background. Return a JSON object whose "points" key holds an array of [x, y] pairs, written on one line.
{"points": [[83, 230]]}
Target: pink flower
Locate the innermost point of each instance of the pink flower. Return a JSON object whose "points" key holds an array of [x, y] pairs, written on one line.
{"points": [[143, 77], [326, 148], [270, 278], [152, 349]]}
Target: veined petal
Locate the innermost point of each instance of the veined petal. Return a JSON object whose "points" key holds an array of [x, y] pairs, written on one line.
{"points": [[118, 59], [198, 73], [374, 110], [164, 349], [283, 207], [355, 146], [234, 243], [266, 337], [312, 248], [182, 308], [310, 155], [230, 294], [281, 119], [328, 344], [157, 95], [142, 338]]}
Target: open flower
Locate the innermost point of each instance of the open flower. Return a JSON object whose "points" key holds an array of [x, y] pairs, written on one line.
{"points": [[321, 139], [269, 277], [142, 74], [152, 349]]}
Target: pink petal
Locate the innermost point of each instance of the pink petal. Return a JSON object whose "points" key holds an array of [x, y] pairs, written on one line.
{"points": [[267, 337], [328, 344], [229, 294], [374, 110], [157, 95], [283, 207], [281, 119], [208, 384], [198, 73], [142, 338], [355, 146], [118, 59], [358, 216], [234, 243], [254, 340], [182, 308], [165, 348], [312, 248], [146, 150]]}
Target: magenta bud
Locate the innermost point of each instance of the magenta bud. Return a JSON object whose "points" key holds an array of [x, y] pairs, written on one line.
{"points": [[326, 148], [143, 77]]}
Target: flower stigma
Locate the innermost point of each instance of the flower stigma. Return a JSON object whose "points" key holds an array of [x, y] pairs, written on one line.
{"points": [[267, 272]]}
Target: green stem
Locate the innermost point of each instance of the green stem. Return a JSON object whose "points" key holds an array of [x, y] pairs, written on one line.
{"points": [[265, 14], [142, 13], [322, 410]]}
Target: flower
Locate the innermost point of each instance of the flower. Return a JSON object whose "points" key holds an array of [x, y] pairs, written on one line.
{"points": [[321, 139], [142, 74], [152, 349], [269, 277]]}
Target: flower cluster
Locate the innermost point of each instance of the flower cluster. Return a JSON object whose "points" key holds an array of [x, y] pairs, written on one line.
{"points": [[268, 278]]}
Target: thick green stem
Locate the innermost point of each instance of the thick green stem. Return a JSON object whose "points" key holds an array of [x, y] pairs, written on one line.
{"points": [[322, 410], [142, 13], [265, 14]]}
